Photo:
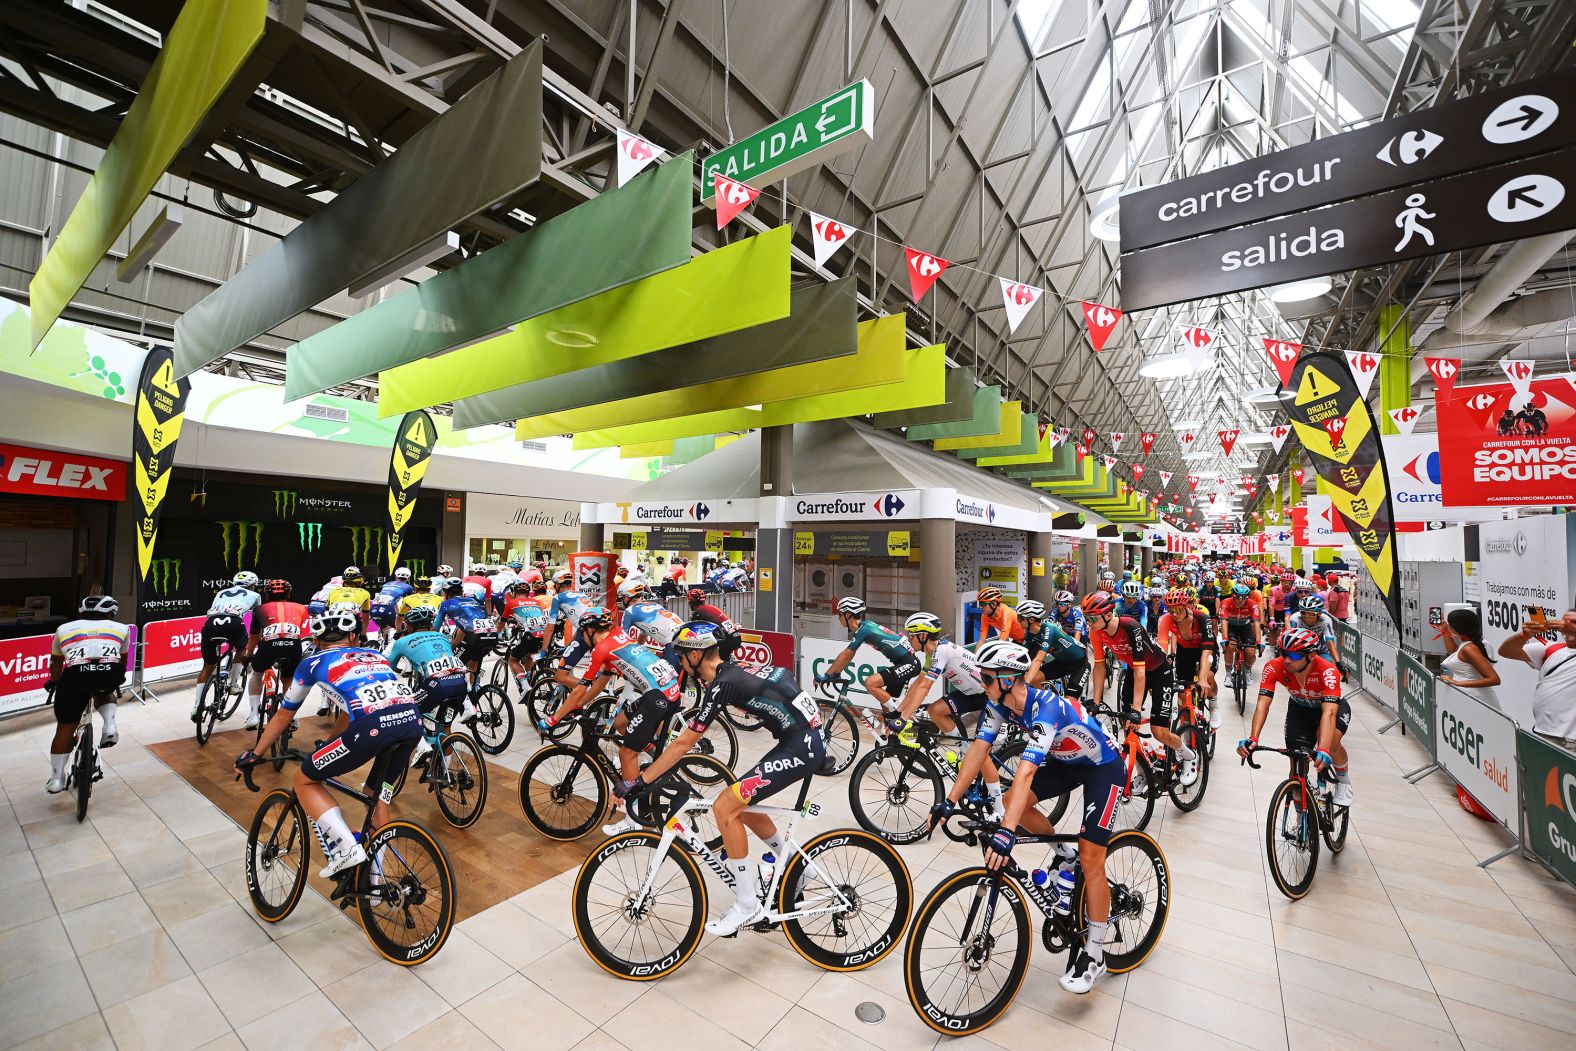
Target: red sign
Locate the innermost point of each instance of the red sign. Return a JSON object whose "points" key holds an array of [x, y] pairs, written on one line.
{"points": [[1101, 320], [40, 472], [923, 271], [172, 648], [1147, 440], [1444, 371], [764, 649], [1498, 445], [451, 504], [1229, 439], [24, 668], [730, 198], [1283, 355], [1198, 338]]}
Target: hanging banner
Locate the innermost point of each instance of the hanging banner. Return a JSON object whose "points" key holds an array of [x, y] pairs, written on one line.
{"points": [[1404, 418], [1147, 441], [1088, 436], [1228, 439], [1116, 441], [413, 444], [1138, 472], [1198, 338], [1186, 438], [1278, 435], [828, 236], [1415, 493], [1018, 299], [1101, 319], [923, 271], [1283, 355], [1165, 478], [1444, 371], [730, 198], [1352, 462], [1519, 372], [156, 425], [1364, 368], [1501, 446], [635, 154]]}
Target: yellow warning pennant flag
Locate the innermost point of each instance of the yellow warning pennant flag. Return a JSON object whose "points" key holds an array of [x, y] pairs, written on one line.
{"points": [[413, 443], [156, 425]]}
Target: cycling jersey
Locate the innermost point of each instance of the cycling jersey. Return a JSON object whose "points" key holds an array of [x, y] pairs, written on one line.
{"points": [[468, 615], [91, 645], [1239, 608], [427, 653], [1278, 597], [359, 679], [770, 694], [482, 584], [1003, 623], [1199, 633], [1138, 611], [1321, 685], [1072, 621], [1051, 644], [1324, 627], [642, 671], [527, 613], [397, 588], [1058, 729], [712, 615], [384, 608], [955, 666], [410, 602], [235, 601], [567, 606], [1130, 644], [889, 644], [282, 622], [350, 596], [652, 623]]}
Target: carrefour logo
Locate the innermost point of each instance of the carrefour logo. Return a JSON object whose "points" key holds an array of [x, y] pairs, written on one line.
{"points": [[699, 512], [1424, 468], [983, 511], [888, 505]]}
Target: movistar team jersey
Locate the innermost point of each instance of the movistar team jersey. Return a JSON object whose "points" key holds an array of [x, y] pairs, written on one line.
{"points": [[427, 653], [1138, 610], [359, 679], [467, 614], [235, 601], [1051, 643], [652, 623], [1059, 729], [889, 644]]}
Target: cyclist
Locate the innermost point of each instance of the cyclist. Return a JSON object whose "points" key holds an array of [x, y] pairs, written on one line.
{"points": [[1280, 594], [647, 620], [422, 596], [1055, 653], [1209, 594], [728, 636], [475, 633], [1154, 605], [1066, 748], [285, 626], [1310, 614], [889, 682], [502, 578], [1111, 634], [530, 621], [1317, 717], [87, 663], [1130, 603], [478, 584], [441, 581], [997, 619], [567, 604], [952, 665], [226, 623], [384, 723], [1243, 623], [1070, 618], [385, 604], [1107, 582], [673, 579], [1186, 633], [787, 712], [438, 672]]}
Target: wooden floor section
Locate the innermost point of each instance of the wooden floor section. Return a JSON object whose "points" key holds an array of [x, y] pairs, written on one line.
{"points": [[495, 859]]}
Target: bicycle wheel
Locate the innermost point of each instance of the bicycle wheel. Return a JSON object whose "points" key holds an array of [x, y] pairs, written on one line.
{"points": [[642, 939], [563, 792], [892, 790], [1239, 686], [499, 676], [208, 703], [720, 742], [866, 885], [840, 731], [742, 721], [1333, 824], [1291, 839], [962, 965], [280, 748], [278, 853], [1138, 801], [543, 700], [86, 762], [459, 777], [1188, 797], [234, 690], [493, 724], [708, 777], [1140, 882], [405, 893]]}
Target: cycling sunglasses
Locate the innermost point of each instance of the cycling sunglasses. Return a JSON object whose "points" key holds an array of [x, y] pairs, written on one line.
{"points": [[1295, 658], [1007, 681]]}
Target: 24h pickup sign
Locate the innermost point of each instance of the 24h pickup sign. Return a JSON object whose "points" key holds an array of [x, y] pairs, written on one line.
{"points": [[844, 120]]}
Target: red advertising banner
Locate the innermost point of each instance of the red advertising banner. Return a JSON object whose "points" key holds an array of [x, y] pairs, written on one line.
{"points": [[1501, 446], [172, 648], [764, 649], [24, 668], [41, 472]]}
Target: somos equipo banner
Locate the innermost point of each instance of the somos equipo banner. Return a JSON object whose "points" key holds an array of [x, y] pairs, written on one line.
{"points": [[1500, 445]]}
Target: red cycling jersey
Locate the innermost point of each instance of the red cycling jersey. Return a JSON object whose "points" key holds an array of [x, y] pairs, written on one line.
{"points": [[1234, 608], [1130, 643], [282, 622], [1199, 634], [485, 583], [1321, 685]]}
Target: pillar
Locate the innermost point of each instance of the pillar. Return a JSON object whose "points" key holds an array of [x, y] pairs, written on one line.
{"points": [[1041, 589], [1395, 364], [451, 539], [773, 540], [591, 536], [1088, 566], [1146, 561], [938, 584]]}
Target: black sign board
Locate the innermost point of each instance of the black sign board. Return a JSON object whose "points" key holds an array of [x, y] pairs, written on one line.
{"points": [[682, 540], [861, 543], [1497, 126], [1068, 520], [1505, 203]]}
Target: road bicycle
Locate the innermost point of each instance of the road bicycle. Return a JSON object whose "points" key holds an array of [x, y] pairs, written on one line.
{"points": [[273, 696], [842, 899], [567, 790], [1190, 722], [84, 768], [840, 722], [968, 951], [404, 892], [453, 768], [1300, 815], [492, 723], [220, 696], [1152, 770]]}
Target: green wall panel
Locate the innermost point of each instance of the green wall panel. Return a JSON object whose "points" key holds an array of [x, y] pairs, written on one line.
{"points": [[1042, 455], [984, 419], [958, 406], [1026, 444]]}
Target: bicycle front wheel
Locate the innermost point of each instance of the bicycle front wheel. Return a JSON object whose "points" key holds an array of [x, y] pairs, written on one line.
{"points": [[631, 935], [458, 773], [840, 731], [1333, 823], [278, 852], [208, 701], [563, 792], [1291, 839], [892, 790], [405, 893], [845, 898], [719, 742], [543, 700], [968, 952], [1140, 882], [493, 724], [1137, 804], [87, 763]]}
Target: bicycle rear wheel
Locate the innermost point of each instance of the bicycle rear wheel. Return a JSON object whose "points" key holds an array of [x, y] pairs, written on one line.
{"points": [[278, 852], [1333, 824], [719, 742], [892, 790], [962, 967], [405, 893], [840, 731], [742, 721], [458, 774], [208, 701], [1188, 797], [543, 700], [1140, 882], [493, 724], [86, 764], [563, 792], [861, 877], [234, 690], [649, 939], [1239, 685], [1291, 839]]}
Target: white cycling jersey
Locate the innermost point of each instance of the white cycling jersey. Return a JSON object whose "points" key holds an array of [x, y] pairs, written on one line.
{"points": [[235, 601], [955, 666]]}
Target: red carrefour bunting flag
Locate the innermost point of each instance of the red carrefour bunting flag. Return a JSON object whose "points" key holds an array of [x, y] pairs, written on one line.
{"points": [[1283, 355], [1228, 439], [1138, 472], [1444, 371], [1147, 441], [1101, 319], [731, 198], [1298, 475], [923, 271]]}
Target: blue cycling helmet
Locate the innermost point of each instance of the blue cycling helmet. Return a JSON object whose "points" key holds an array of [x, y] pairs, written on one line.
{"points": [[1240, 590]]}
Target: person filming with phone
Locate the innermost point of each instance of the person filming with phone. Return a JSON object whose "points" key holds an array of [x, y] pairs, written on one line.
{"points": [[1554, 698]]}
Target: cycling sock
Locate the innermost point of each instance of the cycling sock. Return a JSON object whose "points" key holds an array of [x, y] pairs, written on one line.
{"points": [[744, 881], [1094, 945], [108, 711], [336, 834], [58, 763], [777, 845], [993, 789], [1343, 775]]}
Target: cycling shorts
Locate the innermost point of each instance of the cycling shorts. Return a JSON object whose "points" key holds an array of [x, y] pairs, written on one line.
{"points": [[526, 646], [1302, 724], [222, 628], [1157, 682], [286, 653], [1103, 786], [474, 647], [80, 683], [647, 714], [961, 704], [434, 693], [1240, 632], [790, 761], [389, 735], [896, 677], [1074, 675], [1187, 664]]}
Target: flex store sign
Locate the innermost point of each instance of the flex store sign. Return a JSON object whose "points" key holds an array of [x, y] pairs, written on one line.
{"points": [[42, 472]]}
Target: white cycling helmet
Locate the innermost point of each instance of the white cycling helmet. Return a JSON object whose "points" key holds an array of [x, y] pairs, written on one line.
{"points": [[1065, 598], [1132, 589], [445, 570], [1031, 608], [1108, 575], [336, 622], [402, 573], [851, 605], [923, 624], [631, 588], [1001, 656], [1302, 584], [245, 579], [100, 605]]}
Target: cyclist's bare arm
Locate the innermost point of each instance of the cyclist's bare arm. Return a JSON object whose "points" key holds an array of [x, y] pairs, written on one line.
{"points": [[677, 749], [578, 696], [913, 696]]}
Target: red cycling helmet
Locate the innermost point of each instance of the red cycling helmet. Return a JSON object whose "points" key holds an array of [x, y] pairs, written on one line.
{"points": [[1178, 597], [1288, 578], [696, 596], [1298, 640], [276, 590], [1098, 604]]}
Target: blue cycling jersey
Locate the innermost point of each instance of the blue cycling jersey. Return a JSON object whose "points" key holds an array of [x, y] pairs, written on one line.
{"points": [[1058, 729], [567, 605], [1138, 610], [427, 653], [652, 623], [531, 618], [1072, 621], [398, 588], [361, 680], [468, 614]]}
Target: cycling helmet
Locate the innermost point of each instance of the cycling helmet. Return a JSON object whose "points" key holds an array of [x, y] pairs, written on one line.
{"points": [[1031, 608], [519, 587], [1303, 584], [1311, 604], [245, 579], [851, 605], [516, 565], [402, 573], [1157, 591], [336, 622], [423, 583], [1000, 656], [99, 606], [276, 590], [696, 596], [1288, 578], [988, 595], [696, 635], [595, 617], [563, 576], [351, 576], [923, 624], [454, 586], [1108, 575], [445, 570], [1098, 604], [1298, 640], [1178, 597], [1065, 598], [1241, 590], [1132, 589], [421, 616], [631, 589]]}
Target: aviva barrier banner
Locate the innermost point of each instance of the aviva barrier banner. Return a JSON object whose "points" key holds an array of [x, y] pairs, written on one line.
{"points": [[1335, 427], [161, 408], [412, 451]]}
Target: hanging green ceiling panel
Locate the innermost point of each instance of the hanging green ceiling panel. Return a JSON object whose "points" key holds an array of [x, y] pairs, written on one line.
{"points": [[1064, 465], [1026, 444], [880, 359], [985, 418], [645, 449], [640, 229], [1102, 486], [1042, 455], [1007, 416], [959, 405], [736, 286]]}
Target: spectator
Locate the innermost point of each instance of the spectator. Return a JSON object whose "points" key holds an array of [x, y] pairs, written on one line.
{"points": [[1554, 698], [1338, 600], [1470, 667]]}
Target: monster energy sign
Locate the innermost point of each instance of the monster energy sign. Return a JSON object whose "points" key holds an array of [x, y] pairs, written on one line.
{"points": [[285, 503], [237, 538], [417, 566], [366, 542], [164, 575], [413, 444], [309, 535]]}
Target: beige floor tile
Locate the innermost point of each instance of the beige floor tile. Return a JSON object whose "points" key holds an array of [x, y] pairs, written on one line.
{"points": [[315, 1014], [519, 1014], [737, 1004], [173, 1017], [550, 904], [599, 1041], [215, 848], [72, 854], [26, 903], [1357, 1025], [17, 866], [1404, 1001], [249, 986], [43, 1000], [53, 824], [1506, 998], [799, 1030], [1238, 983], [1407, 970], [462, 970], [185, 897], [161, 863], [1240, 952], [216, 936], [1516, 940], [513, 935], [126, 836], [835, 999], [133, 966], [1201, 1007], [227, 1042], [385, 1003], [31, 946], [448, 1033], [579, 984], [662, 1024], [102, 924], [88, 885], [1502, 1031], [331, 950], [1144, 1030], [85, 1034], [766, 960]]}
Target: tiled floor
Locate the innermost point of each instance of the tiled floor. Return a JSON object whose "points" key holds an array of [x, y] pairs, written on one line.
{"points": [[133, 931]]}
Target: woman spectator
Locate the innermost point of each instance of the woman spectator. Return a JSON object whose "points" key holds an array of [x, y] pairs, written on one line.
{"points": [[1338, 600], [1469, 666]]}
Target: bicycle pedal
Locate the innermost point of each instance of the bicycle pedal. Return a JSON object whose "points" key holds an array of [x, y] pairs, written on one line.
{"points": [[761, 927]]}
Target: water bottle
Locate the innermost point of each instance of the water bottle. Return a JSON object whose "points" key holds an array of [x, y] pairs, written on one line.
{"points": [[1040, 877], [1064, 892], [768, 868]]}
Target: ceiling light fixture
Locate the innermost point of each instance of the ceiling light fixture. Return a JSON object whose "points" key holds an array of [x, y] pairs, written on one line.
{"points": [[1266, 397], [1170, 366], [1297, 291], [1103, 220]]}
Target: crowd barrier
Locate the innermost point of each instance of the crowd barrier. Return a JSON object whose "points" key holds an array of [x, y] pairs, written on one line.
{"points": [[737, 606], [24, 669]]}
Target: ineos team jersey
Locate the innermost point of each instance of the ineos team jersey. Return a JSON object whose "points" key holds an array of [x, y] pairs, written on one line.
{"points": [[91, 643]]}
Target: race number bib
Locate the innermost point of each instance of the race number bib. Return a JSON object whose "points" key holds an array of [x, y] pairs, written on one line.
{"points": [[808, 708], [282, 630], [442, 666], [386, 693]]}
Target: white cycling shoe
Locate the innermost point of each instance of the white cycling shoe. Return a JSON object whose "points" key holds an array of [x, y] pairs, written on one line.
{"points": [[1342, 796], [1189, 772], [109, 738], [251, 721], [423, 746], [618, 828], [341, 860], [1082, 972], [742, 914], [56, 784]]}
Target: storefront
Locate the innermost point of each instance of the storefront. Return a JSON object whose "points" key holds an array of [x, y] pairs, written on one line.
{"points": [[532, 529], [57, 518]]}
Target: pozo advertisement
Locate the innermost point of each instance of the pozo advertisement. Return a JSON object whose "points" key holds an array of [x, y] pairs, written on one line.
{"points": [[1508, 444], [1523, 564]]}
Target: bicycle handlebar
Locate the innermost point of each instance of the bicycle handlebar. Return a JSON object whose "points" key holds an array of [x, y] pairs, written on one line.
{"points": [[245, 772]]}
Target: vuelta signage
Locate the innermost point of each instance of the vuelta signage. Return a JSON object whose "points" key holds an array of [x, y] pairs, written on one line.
{"points": [[1500, 445]]}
